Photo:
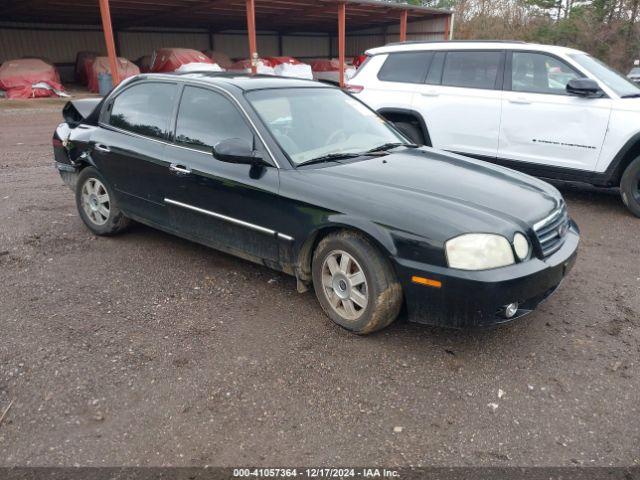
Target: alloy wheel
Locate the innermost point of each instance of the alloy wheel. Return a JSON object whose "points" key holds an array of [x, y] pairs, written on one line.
{"points": [[95, 201], [344, 285]]}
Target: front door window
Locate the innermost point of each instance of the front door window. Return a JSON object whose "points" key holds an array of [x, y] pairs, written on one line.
{"points": [[540, 73]]}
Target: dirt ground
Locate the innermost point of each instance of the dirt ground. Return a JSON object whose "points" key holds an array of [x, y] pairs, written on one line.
{"points": [[145, 349]]}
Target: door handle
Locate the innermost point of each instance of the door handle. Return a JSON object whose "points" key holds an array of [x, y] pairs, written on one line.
{"points": [[520, 101], [179, 169], [430, 94], [102, 148]]}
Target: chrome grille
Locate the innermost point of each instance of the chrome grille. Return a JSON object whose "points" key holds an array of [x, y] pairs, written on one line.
{"points": [[552, 230]]}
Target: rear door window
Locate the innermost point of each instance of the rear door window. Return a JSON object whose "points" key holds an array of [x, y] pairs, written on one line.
{"points": [[472, 69], [406, 67], [145, 109], [206, 118]]}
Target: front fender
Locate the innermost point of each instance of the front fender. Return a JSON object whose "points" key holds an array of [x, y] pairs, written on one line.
{"points": [[380, 235]]}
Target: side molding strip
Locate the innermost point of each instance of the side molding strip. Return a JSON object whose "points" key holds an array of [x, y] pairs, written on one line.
{"points": [[235, 221]]}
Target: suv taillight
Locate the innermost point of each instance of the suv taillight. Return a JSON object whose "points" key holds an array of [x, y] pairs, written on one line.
{"points": [[353, 88]]}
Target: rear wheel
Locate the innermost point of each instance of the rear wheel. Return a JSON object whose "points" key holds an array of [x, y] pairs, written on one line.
{"points": [[355, 285], [96, 204], [630, 187]]}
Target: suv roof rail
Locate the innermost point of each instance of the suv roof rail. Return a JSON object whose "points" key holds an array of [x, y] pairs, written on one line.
{"points": [[414, 42]]}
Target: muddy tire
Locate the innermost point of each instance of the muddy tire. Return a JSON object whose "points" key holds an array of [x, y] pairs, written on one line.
{"points": [[97, 205], [630, 187], [355, 284]]}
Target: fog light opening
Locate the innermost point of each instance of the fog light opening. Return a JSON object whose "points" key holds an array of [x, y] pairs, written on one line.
{"points": [[511, 309]]}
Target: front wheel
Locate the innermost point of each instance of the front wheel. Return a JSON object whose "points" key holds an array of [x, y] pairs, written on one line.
{"points": [[355, 284], [96, 204], [630, 187]]}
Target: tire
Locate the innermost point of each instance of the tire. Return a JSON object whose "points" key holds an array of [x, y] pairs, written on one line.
{"points": [[630, 187], [380, 288], [411, 131], [97, 205]]}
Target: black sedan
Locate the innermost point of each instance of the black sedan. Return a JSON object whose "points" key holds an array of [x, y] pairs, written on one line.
{"points": [[303, 178]]}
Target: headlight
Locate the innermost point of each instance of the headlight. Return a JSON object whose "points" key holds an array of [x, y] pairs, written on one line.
{"points": [[521, 246], [479, 251]]}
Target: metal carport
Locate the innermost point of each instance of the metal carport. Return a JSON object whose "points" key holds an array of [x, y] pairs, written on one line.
{"points": [[286, 17]]}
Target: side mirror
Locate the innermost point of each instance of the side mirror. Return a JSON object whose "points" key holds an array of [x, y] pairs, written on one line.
{"points": [[584, 87], [237, 150]]}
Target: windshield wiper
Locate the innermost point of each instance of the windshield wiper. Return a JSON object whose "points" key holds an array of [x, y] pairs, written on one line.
{"points": [[344, 155], [631, 95], [329, 158], [388, 146]]}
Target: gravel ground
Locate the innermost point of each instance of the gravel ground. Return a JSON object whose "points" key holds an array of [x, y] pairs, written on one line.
{"points": [[145, 349]]}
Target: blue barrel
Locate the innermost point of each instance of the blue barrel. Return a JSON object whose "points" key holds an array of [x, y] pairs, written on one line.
{"points": [[105, 83]]}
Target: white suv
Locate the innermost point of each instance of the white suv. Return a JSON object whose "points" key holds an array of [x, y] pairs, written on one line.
{"points": [[549, 111]]}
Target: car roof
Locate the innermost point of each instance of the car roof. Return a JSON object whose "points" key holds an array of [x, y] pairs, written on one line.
{"points": [[469, 45], [243, 81]]}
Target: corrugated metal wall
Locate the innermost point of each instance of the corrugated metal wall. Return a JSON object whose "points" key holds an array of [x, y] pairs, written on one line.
{"points": [[359, 42], [136, 44], [423, 30], [60, 43], [236, 44], [306, 46], [56, 44]]}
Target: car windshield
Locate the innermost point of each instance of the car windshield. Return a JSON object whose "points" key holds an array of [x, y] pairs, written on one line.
{"points": [[607, 75], [316, 123], [635, 71]]}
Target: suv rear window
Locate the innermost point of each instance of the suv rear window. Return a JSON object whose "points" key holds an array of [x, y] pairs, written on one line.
{"points": [[472, 69], [409, 67]]}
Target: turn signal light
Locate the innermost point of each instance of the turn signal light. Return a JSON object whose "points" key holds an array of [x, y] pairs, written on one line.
{"points": [[427, 282]]}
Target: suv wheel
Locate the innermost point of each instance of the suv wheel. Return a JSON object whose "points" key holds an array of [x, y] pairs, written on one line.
{"points": [[630, 187]]}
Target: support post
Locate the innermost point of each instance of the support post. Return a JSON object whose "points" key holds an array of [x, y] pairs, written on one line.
{"points": [[403, 25], [251, 30], [447, 33], [342, 33], [105, 13]]}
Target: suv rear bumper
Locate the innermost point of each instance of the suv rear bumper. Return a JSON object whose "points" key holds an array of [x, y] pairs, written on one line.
{"points": [[477, 299]]}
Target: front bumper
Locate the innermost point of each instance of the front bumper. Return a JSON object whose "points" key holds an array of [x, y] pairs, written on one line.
{"points": [[476, 299]]}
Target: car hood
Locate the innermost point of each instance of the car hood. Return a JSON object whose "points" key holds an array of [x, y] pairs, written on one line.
{"points": [[424, 191]]}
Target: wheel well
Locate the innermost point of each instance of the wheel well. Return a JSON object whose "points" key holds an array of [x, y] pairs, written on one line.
{"points": [[305, 257], [628, 156], [409, 117]]}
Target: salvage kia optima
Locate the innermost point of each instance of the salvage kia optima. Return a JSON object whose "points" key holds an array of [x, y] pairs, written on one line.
{"points": [[303, 178]]}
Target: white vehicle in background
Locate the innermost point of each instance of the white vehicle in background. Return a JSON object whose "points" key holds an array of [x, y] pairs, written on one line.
{"points": [[552, 112], [634, 75]]}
